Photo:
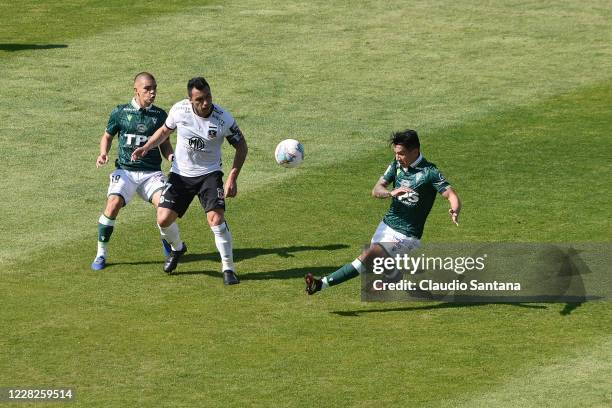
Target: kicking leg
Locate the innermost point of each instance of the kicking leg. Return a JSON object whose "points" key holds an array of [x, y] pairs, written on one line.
{"points": [[346, 272]]}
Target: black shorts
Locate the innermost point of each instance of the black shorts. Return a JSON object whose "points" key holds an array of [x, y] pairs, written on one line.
{"points": [[180, 190]]}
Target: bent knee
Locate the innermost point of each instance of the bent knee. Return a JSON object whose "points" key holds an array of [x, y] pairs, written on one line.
{"points": [[114, 203], [163, 221], [165, 217], [373, 251], [215, 217]]}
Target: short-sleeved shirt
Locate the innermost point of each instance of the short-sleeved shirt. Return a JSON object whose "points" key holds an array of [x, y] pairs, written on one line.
{"points": [[199, 140], [409, 212], [135, 125]]}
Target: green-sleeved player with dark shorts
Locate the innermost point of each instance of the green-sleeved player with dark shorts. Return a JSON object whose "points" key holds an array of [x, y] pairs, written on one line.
{"points": [[414, 182], [135, 122]]}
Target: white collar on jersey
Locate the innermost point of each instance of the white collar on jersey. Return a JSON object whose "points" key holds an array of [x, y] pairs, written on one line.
{"points": [[414, 163], [137, 106], [417, 161]]}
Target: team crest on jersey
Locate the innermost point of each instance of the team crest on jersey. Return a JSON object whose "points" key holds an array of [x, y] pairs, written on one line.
{"points": [[405, 183], [154, 121], [212, 131], [196, 143], [141, 128], [129, 118]]}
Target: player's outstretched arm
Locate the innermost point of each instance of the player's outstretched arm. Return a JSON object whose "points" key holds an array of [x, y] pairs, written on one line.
{"points": [[455, 204], [231, 185], [105, 144], [158, 137]]}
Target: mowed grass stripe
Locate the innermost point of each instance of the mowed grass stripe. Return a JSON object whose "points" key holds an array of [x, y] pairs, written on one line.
{"points": [[332, 76], [511, 181], [133, 337], [43, 23], [188, 340], [575, 379], [535, 173]]}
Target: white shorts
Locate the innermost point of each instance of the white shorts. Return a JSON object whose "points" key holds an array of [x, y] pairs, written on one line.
{"points": [[125, 183], [394, 242]]}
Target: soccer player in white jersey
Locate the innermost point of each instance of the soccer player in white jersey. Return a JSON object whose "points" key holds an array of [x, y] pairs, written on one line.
{"points": [[196, 170]]}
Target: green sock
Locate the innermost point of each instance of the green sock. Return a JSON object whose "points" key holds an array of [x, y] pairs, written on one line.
{"points": [[343, 274], [105, 228]]}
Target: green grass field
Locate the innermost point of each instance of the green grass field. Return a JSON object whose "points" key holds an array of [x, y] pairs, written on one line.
{"points": [[511, 99]]}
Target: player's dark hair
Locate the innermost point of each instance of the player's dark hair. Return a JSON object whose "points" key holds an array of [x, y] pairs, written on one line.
{"points": [[407, 138], [198, 83], [144, 74]]}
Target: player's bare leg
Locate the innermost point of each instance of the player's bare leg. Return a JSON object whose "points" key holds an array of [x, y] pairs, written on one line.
{"points": [[346, 272]]}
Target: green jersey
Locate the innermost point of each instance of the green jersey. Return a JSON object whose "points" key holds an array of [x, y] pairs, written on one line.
{"points": [[135, 125], [409, 212]]}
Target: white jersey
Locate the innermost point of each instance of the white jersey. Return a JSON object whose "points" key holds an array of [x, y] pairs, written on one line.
{"points": [[199, 140]]}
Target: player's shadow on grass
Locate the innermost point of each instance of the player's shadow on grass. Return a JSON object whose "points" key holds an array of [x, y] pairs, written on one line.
{"points": [[240, 254], [570, 307], [448, 305], [24, 47], [268, 275], [567, 309]]}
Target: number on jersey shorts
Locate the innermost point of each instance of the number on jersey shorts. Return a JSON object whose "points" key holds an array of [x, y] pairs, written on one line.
{"points": [[395, 243], [125, 183], [180, 190]]}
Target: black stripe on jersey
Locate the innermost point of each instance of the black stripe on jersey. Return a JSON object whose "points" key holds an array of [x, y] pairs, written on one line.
{"points": [[235, 136]]}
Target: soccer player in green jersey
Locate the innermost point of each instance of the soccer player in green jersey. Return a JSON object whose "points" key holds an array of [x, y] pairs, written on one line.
{"points": [[135, 122], [414, 184]]}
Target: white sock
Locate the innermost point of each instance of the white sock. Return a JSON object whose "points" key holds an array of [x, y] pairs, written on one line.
{"points": [[172, 236], [358, 265], [223, 241], [102, 249]]}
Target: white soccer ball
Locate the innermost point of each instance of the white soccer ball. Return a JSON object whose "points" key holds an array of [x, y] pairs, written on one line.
{"points": [[289, 153]]}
